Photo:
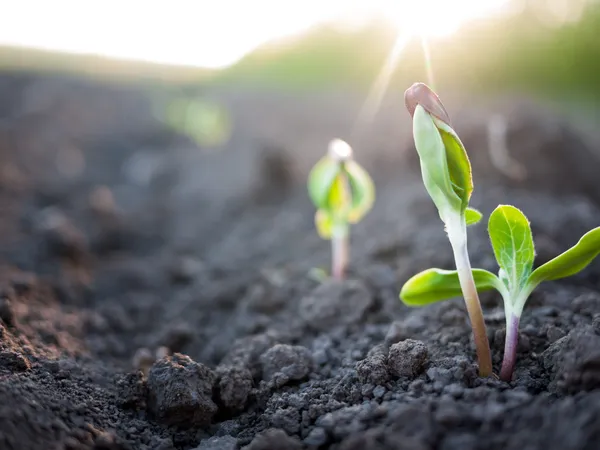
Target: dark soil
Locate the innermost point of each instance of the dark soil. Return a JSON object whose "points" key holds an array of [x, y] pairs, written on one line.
{"points": [[158, 295]]}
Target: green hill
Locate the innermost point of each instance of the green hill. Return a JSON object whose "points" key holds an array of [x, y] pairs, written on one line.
{"points": [[94, 66]]}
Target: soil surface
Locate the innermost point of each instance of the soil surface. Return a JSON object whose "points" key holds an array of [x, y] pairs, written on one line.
{"points": [[155, 294]]}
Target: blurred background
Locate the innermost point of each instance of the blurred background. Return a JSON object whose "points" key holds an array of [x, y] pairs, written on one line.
{"points": [[544, 48], [180, 114]]}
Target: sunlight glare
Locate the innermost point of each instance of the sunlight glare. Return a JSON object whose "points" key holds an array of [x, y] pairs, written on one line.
{"points": [[377, 91], [428, 62], [209, 33], [437, 18], [423, 19]]}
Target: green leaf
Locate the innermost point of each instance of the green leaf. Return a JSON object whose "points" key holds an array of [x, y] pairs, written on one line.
{"points": [[435, 285], [362, 188], [434, 163], [318, 274], [570, 262], [459, 165], [339, 199], [320, 180], [513, 245], [472, 216], [324, 223]]}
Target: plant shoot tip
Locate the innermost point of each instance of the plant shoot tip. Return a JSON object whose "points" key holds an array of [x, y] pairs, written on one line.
{"points": [[421, 94], [340, 150]]}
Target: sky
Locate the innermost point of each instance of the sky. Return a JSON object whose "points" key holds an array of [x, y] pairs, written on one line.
{"points": [[210, 33]]}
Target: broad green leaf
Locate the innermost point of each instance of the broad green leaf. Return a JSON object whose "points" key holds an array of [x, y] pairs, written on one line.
{"points": [[320, 179], [435, 285], [570, 262], [513, 245], [472, 216], [459, 165], [434, 163], [362, 188]]}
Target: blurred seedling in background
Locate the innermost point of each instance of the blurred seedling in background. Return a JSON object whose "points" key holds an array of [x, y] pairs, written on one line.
{"points": [[512, 241], [205, 122], [343, 192], [446, 172]]}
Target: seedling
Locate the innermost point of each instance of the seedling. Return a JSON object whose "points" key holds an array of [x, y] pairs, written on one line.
{"points": [[343, 193], [446, 172], [513, 246]]}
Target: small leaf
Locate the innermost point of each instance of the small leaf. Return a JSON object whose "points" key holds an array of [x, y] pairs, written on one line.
{"points": [[324, 224], [459, 165], [338, 201], [434, 164], [472, 216], [435, 285], [513, 245], [363, 191], [570, 262], [320, 179], [318, 274]]}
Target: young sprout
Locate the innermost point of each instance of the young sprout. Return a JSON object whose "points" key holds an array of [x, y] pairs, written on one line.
{"points": [[446, 172], [512, 241], [343, 193]]}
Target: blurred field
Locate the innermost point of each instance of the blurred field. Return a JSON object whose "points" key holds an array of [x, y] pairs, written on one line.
{"points": [[528, 49], [15, 59], [548, 50], [520, 51]]}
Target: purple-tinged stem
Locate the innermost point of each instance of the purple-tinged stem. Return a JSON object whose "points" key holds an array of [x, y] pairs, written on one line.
{"points": [[339, 255], [457, 233], [510, 348], [482, 345]]}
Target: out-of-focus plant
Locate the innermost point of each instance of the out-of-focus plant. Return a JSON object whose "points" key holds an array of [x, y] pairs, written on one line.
{"points": [[343, 192], [446, 172], [204, 121]]}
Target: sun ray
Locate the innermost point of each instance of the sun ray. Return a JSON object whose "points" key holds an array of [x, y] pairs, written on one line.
{"points": [[377, 91], [428, 63]]}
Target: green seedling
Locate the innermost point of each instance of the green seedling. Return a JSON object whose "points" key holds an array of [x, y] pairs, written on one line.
{"points": [[446, 172], [513, 246], [343, 192]]}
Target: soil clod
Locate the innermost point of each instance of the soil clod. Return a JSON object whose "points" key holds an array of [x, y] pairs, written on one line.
{"points": [[374, 368], [180, 392], [407, 358], [235, 384], [284, 363]]}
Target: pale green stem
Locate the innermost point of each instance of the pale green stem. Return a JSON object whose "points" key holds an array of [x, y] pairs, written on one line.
{"points": [[339, 252], [457, 234]]}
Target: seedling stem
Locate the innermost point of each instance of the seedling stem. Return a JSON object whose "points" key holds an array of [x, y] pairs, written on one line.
{"points": [[510, 346], [457, 235], [339, 252]]}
